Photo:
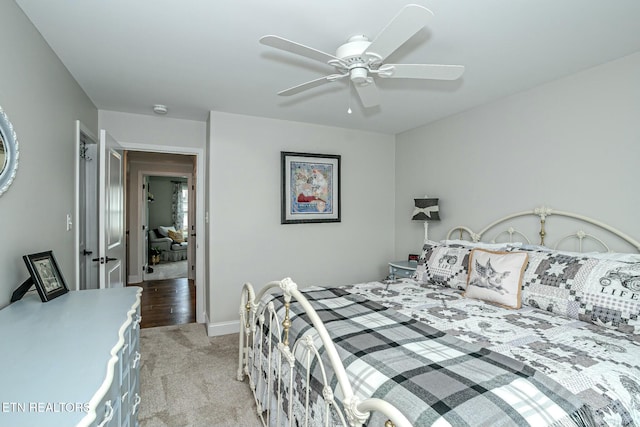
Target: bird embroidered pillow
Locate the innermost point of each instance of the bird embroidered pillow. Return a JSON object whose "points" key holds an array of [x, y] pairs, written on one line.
{"points": [[496, 276]]}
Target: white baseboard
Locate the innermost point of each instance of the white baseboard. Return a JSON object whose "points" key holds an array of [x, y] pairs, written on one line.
{"points": [[222, 328]]}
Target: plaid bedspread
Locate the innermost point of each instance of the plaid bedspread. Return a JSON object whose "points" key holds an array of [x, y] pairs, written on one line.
{"points": [[432, 377]]}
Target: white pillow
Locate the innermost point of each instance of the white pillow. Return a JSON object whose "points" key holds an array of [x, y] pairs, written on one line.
{"points": [[164, 231], [496, 276]]}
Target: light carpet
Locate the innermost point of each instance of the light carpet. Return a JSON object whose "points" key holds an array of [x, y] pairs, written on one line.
{"points": [[167, 270], [189, 379]]}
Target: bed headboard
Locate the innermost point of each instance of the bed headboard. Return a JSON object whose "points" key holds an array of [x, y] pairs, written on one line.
{"points": [[587, 233]]}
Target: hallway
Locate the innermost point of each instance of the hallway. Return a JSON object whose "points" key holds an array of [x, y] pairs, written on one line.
{"points": [[167, 302]]}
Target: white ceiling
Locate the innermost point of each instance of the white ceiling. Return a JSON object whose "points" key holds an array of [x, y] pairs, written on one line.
{"points": [[201, 55]]}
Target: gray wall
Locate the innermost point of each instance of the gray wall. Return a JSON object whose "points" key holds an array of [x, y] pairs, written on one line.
{"points": [[247, 241], [160, 211], [42, 101], [152, 133], [572, 144]]}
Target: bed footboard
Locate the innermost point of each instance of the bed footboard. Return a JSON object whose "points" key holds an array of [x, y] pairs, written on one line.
{"points": [[281, 371]]}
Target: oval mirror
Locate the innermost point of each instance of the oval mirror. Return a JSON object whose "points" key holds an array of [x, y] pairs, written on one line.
{"points": [[8, 152]]}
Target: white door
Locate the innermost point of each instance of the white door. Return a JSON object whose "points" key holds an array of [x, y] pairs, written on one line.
{"points": [[191, 256], [111, 213], [86, 209]]}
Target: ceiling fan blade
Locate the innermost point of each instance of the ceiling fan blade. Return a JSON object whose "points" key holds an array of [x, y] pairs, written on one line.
{"points": [[311, 84], [369, 95], [298, 49], [401, 28], [421, 71]]}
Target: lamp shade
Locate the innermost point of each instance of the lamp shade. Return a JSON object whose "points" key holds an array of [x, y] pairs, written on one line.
{"points": [[426, 210]]}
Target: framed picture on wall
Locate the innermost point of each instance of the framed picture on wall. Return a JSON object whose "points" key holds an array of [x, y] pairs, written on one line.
{"points": [[46, 275], [310, 188]]}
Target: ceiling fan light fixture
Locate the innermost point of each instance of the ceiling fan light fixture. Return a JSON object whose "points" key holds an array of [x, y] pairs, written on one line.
{"points": [[160, 109], [359, 75]]}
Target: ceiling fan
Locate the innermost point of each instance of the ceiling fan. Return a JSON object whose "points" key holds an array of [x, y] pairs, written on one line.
{"points": [[361, 59]]}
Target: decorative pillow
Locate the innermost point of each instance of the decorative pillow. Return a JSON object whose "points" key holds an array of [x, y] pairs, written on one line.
{"points": [[443, 265], [554, 282], [601, 291], [611, 295], [421, 269], [496, 276], [176, 236], [164, 231]]}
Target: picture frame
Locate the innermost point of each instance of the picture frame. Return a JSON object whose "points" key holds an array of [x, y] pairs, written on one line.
{"points": [[310, 188], [46, 275]]}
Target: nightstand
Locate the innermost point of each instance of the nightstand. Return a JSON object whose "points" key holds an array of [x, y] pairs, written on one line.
{"points": [[399, 269]]}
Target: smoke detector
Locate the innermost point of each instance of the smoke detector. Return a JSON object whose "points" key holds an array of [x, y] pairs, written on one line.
{"points": [[160, 109]]}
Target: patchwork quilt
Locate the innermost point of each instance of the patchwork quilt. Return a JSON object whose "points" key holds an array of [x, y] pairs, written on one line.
{"points": [[489, 368], [600, 366]]}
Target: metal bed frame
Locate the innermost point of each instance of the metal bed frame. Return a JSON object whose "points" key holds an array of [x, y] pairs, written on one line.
{"points": [[354, 411]]}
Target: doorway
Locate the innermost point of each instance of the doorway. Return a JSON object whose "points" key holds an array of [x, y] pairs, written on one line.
{"points": [[167, 219], [161, 220], [86, 210]]}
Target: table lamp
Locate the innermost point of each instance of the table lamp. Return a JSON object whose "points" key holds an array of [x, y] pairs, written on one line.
{"points": [[426, 209]]}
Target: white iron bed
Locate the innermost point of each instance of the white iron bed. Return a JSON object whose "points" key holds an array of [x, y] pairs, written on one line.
{"points": [[299, 376]]}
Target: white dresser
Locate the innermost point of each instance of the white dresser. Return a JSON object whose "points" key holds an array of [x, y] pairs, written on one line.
{"points": [[72, 361]]}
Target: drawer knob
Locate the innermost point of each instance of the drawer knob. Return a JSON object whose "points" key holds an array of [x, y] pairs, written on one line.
{"points": [[136, 359], [135, 404], [108, 414]]}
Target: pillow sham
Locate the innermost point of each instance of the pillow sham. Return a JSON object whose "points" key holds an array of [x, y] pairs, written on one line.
{"points": [[611, 295], [552, 282], [601, 291], [444, 265], [496, 276]]}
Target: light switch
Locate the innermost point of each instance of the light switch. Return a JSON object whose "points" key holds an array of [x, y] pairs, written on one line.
{"points": [[69, 222]]}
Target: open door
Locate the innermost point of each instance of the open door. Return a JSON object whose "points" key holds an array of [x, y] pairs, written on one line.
{"points": [[86, 208], [191, 272], [111, 211]]}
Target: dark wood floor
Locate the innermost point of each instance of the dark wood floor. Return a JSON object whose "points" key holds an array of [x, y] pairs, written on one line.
{"points": [[167, 302]]}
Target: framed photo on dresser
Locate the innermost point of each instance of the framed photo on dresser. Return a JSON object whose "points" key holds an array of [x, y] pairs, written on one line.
{"points": [[46, 275]]}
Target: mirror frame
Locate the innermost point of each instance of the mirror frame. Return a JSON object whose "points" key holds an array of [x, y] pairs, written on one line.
{"points": [[10, 142]]}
